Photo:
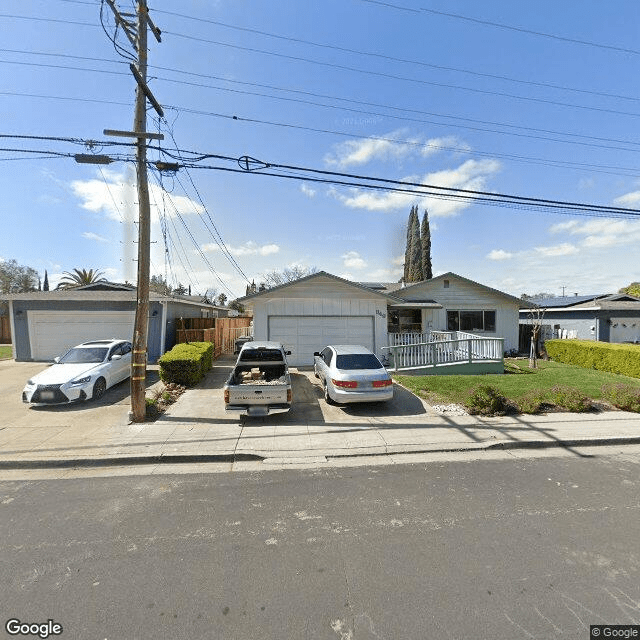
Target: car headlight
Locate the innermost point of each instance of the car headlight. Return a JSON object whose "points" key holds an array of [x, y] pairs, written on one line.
{"points": [[81, 380]]}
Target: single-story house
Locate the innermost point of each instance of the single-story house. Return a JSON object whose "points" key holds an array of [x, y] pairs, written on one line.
{"points": [[604, 317], [320, 309], [44, 324]]}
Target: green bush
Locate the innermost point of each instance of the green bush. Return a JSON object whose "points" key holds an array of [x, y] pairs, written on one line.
{"points": [[570, 399], [186, 363], [622, 396], [486, 400], [623, 359], [532, 402]]}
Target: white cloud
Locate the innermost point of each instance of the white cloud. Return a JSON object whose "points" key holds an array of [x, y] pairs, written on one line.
{"points": [[602, 232], [308, 191], [353, 260], [446, 143], [249, 248], [116, 196], [89, 235], [472, 174], [499, 254], [631, 199], [395, 145], [564, 249]]}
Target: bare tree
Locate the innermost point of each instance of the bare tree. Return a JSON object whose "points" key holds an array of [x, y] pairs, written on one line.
{"points": [[288, 274], [536, 316]]}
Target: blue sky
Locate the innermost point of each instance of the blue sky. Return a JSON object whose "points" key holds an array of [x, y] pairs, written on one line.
{"points": [[419, 95]]}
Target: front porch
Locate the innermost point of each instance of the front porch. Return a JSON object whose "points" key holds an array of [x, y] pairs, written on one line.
{"points": [[444, 352]]}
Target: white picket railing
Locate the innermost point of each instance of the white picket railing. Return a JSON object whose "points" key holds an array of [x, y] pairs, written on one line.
{"points": [[445, 347]]}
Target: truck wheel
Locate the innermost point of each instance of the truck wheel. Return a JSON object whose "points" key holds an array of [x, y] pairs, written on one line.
{"points": [[327, 397]]}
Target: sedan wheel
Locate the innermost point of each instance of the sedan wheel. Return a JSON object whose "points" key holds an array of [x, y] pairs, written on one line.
{"points": [[327, 397], [99, 388]]}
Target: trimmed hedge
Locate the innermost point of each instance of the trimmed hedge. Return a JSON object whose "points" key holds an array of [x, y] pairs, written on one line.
{"points": [[623, 359], [186, 363]]}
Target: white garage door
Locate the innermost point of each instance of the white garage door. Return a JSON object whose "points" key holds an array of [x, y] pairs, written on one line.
{"points": [[303, 335], [51, 333]]}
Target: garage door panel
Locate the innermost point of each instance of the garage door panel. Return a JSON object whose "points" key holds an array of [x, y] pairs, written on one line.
{"points": [[53, 333], [303, 335]]}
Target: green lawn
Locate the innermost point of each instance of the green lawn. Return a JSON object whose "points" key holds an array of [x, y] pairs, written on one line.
{"points": [[517, 381], [5, 352]]}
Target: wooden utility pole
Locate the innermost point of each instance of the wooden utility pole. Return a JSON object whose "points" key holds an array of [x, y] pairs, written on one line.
{"points": [[137, 35], [141, 326]]}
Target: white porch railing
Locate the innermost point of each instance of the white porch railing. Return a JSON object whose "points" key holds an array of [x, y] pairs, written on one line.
{"points": [[445, 347], [408, 338]]}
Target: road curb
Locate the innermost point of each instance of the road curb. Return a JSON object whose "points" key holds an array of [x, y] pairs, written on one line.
{"points": [[276, 455]]}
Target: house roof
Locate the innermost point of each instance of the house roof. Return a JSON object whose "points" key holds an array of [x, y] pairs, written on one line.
{"points": [[400, 292], [593, 301], [318, 274], [114, 295]]}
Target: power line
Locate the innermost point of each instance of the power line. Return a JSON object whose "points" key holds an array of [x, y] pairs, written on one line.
{"points": [[500, 25], [215, 233], [253, 166], [382, 56], [391, 76]]}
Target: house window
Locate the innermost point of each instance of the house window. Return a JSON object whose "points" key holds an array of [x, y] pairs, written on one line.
{"points": [[471, 321], [446, 284]]}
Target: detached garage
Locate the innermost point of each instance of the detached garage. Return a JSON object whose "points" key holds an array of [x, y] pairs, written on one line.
{"points": [[45, 324], [321, 309]]}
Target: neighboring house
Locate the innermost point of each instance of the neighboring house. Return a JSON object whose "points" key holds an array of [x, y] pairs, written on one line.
{"points": [[321, 309], [604, 317], [44, 324]]}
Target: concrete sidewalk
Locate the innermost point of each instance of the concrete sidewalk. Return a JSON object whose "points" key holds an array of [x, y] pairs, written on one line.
{"points": [[197, 430]]}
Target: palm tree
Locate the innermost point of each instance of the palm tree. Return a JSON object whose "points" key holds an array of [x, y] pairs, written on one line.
{"points": [[79, 278]]}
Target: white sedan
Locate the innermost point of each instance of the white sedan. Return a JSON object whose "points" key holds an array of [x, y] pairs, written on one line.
{"points": [[351, 373], [86, 371]]}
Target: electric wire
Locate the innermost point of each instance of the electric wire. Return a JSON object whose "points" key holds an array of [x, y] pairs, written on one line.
{"points": [[215, 233], [390, 76], [506, 26], [382, 56]]}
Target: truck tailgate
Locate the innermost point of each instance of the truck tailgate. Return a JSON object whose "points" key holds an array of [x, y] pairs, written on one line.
{"points": [[258, 394]]}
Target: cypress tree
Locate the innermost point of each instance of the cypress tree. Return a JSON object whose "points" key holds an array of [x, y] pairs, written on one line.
{"points": [[415, 273], [425, 237], [407, 251], [45, 286]]}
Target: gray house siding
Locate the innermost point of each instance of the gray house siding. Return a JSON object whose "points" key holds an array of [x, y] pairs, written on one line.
{"points": [[21, 326], [591, 325]]}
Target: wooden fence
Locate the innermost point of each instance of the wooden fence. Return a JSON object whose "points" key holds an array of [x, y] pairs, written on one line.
{"points": [[5, 330], [222, 332]]}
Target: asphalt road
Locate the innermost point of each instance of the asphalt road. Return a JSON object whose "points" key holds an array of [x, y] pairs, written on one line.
{"points": [[508, 549]]}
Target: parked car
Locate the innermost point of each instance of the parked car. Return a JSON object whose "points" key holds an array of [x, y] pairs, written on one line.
{"points": [[85, 371], [239, 342], [351, 373], [260, 383]]}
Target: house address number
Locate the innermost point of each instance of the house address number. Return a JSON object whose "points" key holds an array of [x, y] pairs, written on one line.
{"points": [[381, 313]]}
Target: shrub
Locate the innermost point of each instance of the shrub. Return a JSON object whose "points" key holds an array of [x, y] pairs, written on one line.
{"points": [[622, 396], [186, 364], [623, 359], [486, 400], [570, 399], [152, 409], [532, 402]]}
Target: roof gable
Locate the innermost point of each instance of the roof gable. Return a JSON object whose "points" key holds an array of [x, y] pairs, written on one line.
{"points": [[428, 289], [320, 277]]}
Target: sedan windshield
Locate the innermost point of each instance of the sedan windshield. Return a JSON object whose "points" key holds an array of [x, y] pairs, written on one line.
{"points": [[77, 356], [358, 361]]}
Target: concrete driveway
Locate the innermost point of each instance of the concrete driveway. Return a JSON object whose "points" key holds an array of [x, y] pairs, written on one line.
{"points": [[205, 404], [111, 409]]}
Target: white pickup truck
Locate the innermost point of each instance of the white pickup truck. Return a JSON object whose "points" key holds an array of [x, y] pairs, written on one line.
{"points": [[260, 383]]}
